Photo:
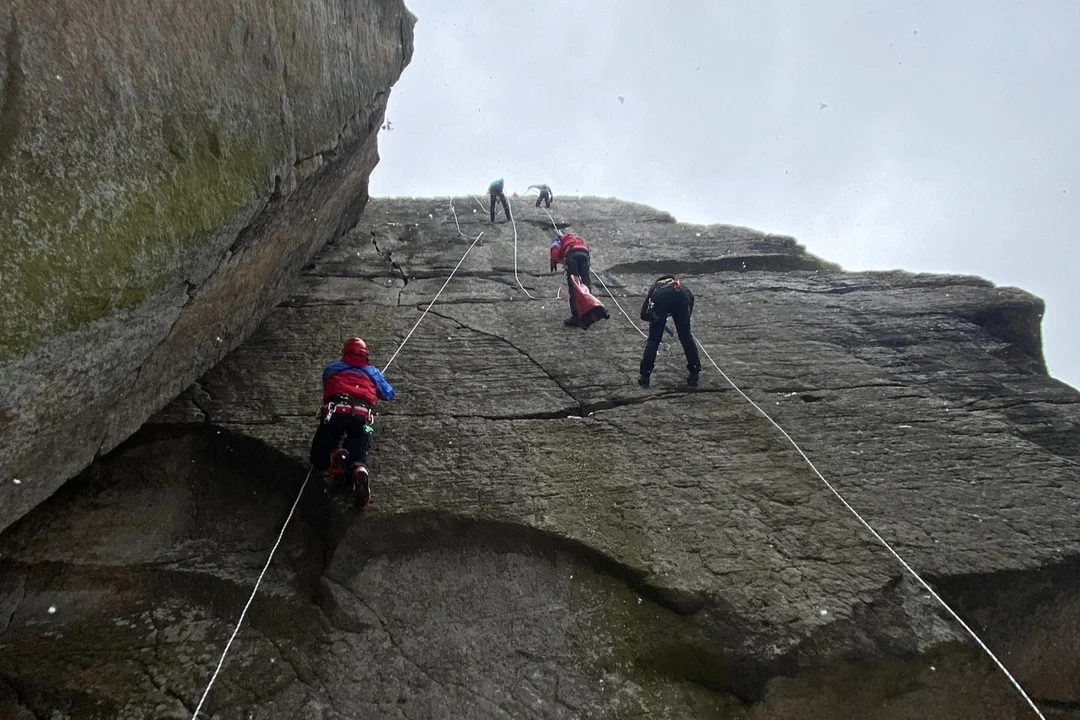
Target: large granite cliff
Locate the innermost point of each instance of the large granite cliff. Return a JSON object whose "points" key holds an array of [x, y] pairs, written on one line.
{"points": [[165, 170], [547, 540]]}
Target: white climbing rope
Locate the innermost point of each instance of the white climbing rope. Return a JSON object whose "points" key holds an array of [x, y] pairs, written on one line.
{"points": [[303, 485], [424, 314], [456, 224], [880, 539], [834, 491], [514, 224], [612, 296], [254, 590]]}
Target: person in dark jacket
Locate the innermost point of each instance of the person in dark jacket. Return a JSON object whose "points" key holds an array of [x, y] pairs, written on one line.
{"points": [[573, 253], [352, 387], [669, 297], [495, 193], [545, 195]]}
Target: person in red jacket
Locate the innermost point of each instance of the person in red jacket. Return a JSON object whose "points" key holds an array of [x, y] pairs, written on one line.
{"points": [[352, 387], [573, 253]]}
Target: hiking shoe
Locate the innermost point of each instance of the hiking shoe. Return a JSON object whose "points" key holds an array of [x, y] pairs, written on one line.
{"points": [[361, 487], [643, 380], [339, 468], [692, 378]]}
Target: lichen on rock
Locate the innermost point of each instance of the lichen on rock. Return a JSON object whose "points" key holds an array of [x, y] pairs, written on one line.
{"points": [[162, 178]]}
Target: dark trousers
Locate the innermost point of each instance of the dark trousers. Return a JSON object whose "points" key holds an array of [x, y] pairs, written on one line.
{"points": [[577, 263], [495, 197], [669, 302], [545, 197], [328, 434]]}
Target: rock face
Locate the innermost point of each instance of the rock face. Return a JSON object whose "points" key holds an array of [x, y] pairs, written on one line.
{"points": [[547, 540], [164, 173]]}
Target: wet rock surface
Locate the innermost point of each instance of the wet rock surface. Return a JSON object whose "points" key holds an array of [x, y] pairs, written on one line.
{"points": [[548, 540], [163, 176]]}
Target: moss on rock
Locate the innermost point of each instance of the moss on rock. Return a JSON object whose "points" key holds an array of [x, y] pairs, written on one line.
{"points": [[72, 266]]}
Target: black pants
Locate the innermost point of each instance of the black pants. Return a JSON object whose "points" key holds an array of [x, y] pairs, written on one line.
{"points": [[669, 302], [545, 197], [328, 434], [499, 196], [577, 263]]}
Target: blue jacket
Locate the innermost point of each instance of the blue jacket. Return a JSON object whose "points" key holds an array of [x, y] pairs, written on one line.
{"points": [[362, 381]]}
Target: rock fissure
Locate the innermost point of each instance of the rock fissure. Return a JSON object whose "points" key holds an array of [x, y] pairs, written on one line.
{"points": [[1066, 708], [776, 262], [163, 686], [503, 339], [388, 257]]}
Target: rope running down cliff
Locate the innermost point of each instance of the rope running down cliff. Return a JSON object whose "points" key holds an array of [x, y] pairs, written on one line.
{"points": [[834, 491], [303, 485], [514, 224]]}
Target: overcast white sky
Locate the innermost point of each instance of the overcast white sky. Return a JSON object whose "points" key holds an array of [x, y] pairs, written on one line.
{"points": [[923, 135]]}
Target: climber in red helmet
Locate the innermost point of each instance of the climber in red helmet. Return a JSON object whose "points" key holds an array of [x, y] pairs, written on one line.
{"points": [[351, 388], [573, 253]]}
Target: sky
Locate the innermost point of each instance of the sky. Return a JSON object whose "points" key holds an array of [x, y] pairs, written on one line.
{"points": [[920, 135]]}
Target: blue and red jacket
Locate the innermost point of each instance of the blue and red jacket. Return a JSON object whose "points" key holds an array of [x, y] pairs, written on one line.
{"points": [[355, 376], [564, 245]]}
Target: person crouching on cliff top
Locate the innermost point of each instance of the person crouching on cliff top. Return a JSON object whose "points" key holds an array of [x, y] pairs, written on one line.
{"points": [[352, 387], [545, 195]]}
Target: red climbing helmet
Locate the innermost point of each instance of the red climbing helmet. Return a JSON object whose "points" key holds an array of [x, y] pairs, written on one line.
{"points": [[356, 347]]}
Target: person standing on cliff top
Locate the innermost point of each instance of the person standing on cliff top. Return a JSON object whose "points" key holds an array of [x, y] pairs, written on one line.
{"points": [[352, 386], [495, 192], [669, 297], [546, 195]]}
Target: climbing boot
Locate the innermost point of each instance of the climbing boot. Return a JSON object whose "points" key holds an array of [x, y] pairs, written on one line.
{"points": [[339, 468], [692, 378], [361, 487], [643, 380]]}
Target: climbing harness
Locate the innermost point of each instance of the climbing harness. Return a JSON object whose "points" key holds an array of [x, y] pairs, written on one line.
{"points": [[303, 485], [331, 408]]}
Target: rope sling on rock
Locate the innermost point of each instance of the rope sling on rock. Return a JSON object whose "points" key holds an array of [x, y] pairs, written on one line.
{"points": [[858, 516], [303, 485], [513, 223]]}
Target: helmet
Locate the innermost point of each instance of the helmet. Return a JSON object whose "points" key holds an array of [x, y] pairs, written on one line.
{"points": [[355, 346]]}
